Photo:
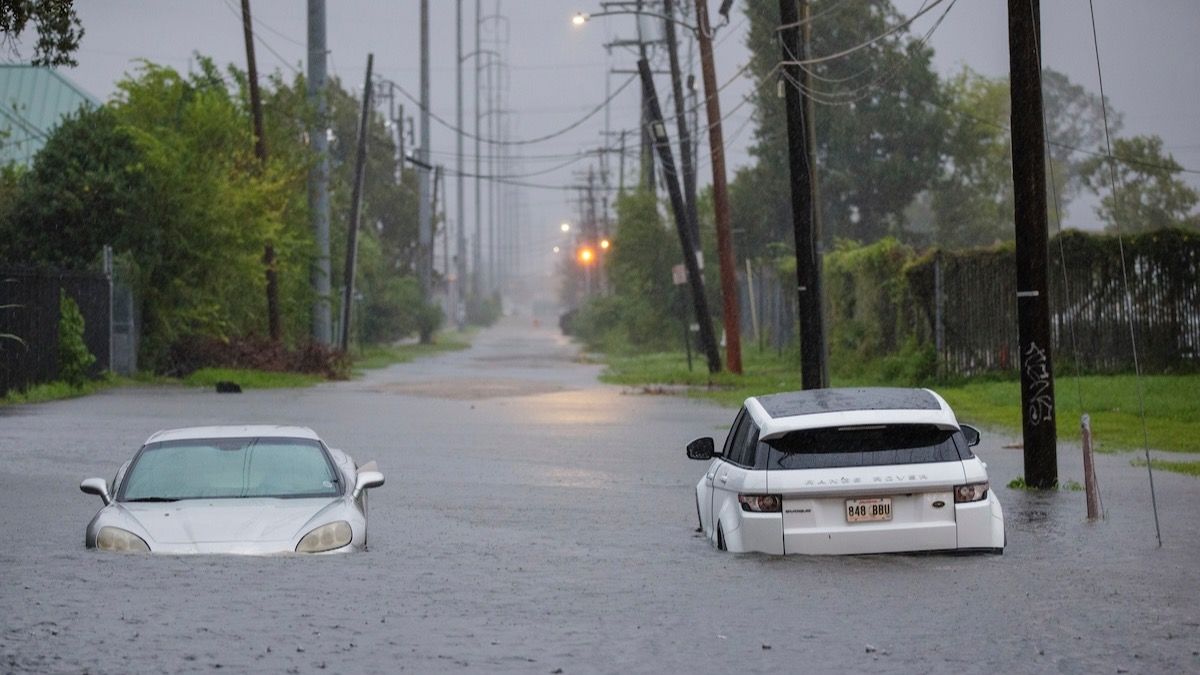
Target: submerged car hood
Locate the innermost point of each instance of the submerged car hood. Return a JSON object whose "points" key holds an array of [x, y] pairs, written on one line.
{"points": [[220, 521]]}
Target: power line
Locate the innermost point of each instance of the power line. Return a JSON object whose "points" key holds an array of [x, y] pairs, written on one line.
{"points": [[846, 52], [528, 141]]}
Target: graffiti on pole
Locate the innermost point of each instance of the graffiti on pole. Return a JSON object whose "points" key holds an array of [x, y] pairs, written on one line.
{"points": [[1037, 375]]}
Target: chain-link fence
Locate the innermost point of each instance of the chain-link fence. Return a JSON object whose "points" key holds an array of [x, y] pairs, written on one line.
{"points": [[29, 319]]}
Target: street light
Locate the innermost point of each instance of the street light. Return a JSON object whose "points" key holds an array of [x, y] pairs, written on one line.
{"points": [[586, 255], [581, 18], [565, 227], [604, 244]]}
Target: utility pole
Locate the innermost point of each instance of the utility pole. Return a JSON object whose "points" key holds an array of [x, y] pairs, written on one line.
{"points": [[318, 175], [360, 167], [1029, 197], [662, 143], [685, 136], [803, 174], [716, 141], [647, 154], [437, 182], [460, 256], [491, 191], [477, 245], [260, 151], [424, 209]]}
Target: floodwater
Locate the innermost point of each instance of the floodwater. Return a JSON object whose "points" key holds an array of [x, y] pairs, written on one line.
{"points": [[537, 521]]}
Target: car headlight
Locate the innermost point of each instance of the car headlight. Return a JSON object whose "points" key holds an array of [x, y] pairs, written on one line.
{"points": [[973, 492], [123, 541], [325, 538]]}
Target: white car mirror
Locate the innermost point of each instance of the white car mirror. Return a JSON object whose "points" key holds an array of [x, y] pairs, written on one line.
{"points": [[367, 480], [96, 486]]}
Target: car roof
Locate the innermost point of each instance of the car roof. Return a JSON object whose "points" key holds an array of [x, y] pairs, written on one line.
{"points": [[777, 414], [233, 431]]}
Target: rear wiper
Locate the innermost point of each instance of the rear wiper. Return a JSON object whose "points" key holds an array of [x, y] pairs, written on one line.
{"points": [[153, 499]]}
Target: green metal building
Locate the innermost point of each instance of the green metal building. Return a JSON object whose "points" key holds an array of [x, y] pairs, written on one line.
{"points": [[33, 100]]}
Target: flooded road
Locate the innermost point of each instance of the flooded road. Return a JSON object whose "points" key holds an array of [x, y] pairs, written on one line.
{"points": [[537, 521]]}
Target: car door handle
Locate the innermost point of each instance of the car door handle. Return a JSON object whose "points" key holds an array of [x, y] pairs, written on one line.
{"points": [[725, 479]]}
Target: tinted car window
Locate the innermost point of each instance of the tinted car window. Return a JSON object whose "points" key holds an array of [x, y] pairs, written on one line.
{"points": [[738, 422], [865, 446], [230, 467], [744, 444]]}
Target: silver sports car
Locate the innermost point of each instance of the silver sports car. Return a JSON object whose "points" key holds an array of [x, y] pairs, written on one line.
{"points": [[234, 489]]}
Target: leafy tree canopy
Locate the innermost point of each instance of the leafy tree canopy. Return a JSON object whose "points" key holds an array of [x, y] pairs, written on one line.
{"points": [[878, 119], [1149, 193], [58, 28]]}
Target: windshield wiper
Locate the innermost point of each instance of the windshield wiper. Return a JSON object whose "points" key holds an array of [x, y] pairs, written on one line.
{"points": [[154, 499]]}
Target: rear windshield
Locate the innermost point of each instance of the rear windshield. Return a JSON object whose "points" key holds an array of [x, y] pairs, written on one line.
{"points": [[230, 468], [866, 446]]}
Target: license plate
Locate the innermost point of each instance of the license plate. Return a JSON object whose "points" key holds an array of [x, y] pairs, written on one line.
{"points": [[865, 510]]}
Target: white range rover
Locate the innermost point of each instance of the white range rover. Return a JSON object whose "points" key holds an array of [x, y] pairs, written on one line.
{"points": [[845, 471]]}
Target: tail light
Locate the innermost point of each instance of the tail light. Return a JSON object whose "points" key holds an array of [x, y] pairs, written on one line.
{"points": [[972, 492], [761, 503]]}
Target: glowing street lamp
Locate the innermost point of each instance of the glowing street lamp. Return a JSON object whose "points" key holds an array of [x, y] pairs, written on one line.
{"points": [[586, 255], [604, 244], [579, 19], [557, 249], [565, 227]]}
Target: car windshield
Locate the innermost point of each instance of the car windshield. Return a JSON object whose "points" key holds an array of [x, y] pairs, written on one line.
{"points": [[230, 468], [866, 446]]}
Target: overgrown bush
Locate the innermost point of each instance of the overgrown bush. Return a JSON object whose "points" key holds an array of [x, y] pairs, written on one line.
{"points": [[395, 310], [255, 353], [642, 311], [483, 310], [74, 359]]}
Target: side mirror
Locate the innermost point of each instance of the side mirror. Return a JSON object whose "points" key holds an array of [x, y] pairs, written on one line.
{"points": [[701, 448], [971, 433], [367, 480], [96, 486]]}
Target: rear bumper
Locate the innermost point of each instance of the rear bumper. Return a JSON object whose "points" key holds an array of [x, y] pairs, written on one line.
{"points": [[977, 527]]}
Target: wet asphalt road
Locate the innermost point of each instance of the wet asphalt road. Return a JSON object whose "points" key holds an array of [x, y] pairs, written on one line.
{"points": [[534, 520]]}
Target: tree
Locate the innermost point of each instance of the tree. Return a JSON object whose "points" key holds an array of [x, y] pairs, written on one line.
{"points": [[1149, 194], [1074, 121], [972, 198], [878, 120], [87, 188], [58, 27], [638, 310]]}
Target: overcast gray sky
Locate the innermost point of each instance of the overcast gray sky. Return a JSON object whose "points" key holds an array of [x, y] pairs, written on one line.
{"points": [[1149, 50]]}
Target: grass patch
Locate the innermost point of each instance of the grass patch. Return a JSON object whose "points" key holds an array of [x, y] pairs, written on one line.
{"points": [[369, 357], [1172, 409], [56, 391], [1185, 468], [1172, 406], [381, 356], [250, 379]]}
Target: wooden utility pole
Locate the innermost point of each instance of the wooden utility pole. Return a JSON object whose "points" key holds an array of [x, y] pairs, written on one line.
{"points": [[716, 142], [360, 169], [803, 173], [318, 175], [658, 131], [1029, 196], [260, 151], [425, 206]]}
